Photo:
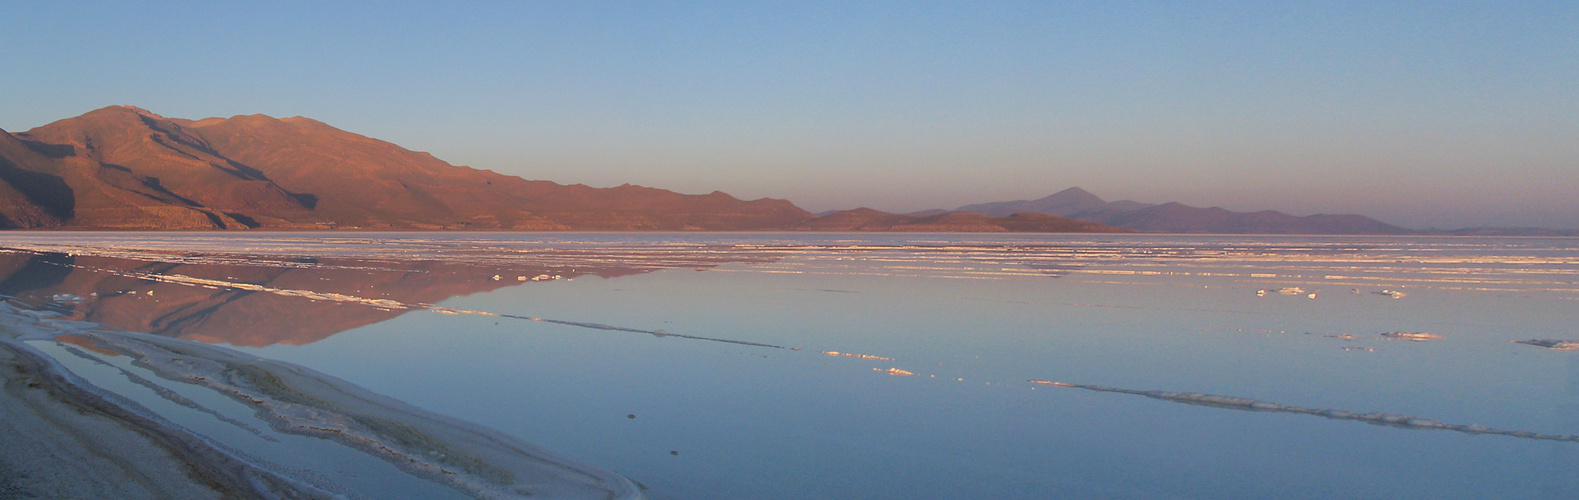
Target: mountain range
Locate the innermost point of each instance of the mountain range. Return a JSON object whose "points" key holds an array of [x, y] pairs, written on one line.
{"points": [[1076, 203], [123, 167]]}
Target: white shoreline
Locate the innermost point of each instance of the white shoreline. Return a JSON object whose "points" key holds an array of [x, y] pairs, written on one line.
{"points": [[475, 460]]}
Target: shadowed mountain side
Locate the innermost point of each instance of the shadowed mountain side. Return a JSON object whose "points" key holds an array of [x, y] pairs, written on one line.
{"points": [[290, 308], [866, 219], [129, 168], [29, 197]]}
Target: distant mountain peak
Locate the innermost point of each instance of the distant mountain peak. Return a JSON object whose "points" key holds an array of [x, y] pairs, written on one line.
{"points": [[139, 111], [1072, 193], [1064, 203]]}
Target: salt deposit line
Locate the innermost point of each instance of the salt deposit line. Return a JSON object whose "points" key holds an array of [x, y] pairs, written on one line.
{"points": [[1374, 418], [657, 333], [214, 461], [167, 394]]}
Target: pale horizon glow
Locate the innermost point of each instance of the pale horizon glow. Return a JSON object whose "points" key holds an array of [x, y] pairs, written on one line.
{"points": [[1421, 114]]}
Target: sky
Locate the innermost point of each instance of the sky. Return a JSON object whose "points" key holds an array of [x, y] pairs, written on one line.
{"points": [[1424, 114]]}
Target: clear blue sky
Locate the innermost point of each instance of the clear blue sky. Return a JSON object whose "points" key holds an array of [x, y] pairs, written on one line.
{"points": [[1434, 113]]}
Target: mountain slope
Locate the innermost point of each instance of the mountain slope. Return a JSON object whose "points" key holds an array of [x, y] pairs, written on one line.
{"points": [[125, 168], [365, 182], [30, 197], [122, 167]]}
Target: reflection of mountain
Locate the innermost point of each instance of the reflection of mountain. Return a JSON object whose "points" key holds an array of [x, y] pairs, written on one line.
{"points": [[271, 302]]}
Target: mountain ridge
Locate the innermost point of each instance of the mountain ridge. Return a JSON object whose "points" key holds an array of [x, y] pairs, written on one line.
{"points": [[127, 168], [867, 219], [123, 167]]}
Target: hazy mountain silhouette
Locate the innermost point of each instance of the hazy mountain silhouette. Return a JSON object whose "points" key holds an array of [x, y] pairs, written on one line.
{"points": [[1063, 204], [1181, 218], [1076, 203], [866, 219]]}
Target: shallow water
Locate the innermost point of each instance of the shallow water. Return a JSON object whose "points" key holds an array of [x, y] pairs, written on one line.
{"points": [[717, 345]]}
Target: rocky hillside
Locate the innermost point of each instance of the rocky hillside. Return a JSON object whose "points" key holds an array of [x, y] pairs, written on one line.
{"points": [[126, 168]]}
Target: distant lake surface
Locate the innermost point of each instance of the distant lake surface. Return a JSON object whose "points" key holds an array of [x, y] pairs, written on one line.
{"points": [[794, 366]]}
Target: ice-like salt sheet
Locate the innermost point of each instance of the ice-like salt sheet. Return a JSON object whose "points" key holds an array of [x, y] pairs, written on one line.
{"points": [[290, 399]]}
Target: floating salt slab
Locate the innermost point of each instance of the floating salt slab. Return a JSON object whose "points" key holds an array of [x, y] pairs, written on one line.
{"points": [[1553, 344], [1411, 336], [1288, 290], [854, 355]]}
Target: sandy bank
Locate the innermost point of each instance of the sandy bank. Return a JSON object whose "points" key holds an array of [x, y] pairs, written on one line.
{"points": [[55, 444]]}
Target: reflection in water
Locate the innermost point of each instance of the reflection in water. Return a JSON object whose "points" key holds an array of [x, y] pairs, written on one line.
{"points": [[259, 301], [1137, 310]]}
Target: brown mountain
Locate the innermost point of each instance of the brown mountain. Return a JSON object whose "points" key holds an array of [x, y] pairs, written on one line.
{"points": [[866, 219], [126, 168]]}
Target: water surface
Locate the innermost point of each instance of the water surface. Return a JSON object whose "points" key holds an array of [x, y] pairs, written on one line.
{"points": [[700, 366]]}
